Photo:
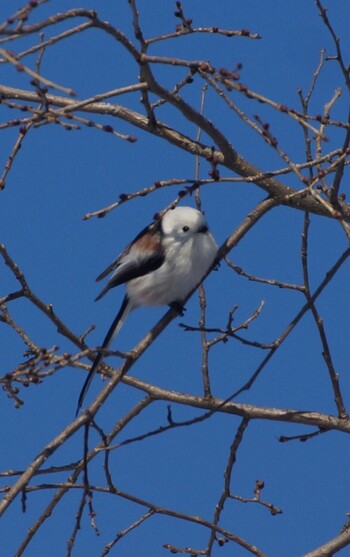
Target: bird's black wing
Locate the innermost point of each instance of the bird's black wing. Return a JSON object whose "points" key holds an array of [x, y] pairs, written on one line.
{"points": [[143, 255]]}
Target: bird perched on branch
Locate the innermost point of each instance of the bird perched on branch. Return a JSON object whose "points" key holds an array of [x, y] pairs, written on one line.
{"points": [[161, 266]]}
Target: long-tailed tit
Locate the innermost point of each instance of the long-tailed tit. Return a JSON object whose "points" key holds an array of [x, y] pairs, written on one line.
{"points": [[163, 264]]}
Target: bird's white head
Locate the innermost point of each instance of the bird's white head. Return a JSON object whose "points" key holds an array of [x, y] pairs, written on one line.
{"points": [[183, 223]]}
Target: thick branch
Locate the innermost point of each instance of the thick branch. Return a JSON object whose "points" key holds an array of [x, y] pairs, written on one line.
{"points": [[317, 419], [333, 546], [227, 157]]}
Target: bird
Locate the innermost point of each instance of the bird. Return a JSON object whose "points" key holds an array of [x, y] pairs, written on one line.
{"points": [[161, 266]]}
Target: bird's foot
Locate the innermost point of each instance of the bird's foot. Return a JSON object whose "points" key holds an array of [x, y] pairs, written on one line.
{"points": [[178, 307]]}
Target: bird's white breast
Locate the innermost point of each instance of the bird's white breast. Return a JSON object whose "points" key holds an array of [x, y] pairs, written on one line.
{"points": [[184, 266]]}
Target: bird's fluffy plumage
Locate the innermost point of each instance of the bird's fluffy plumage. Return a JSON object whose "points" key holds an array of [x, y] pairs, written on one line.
{"points": [[162, 265]]}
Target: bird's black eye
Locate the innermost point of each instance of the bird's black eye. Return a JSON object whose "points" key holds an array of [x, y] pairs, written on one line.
{"points": [[185, 228]]}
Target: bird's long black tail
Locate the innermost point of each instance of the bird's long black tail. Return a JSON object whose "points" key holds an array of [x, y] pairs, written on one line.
{"points": [[117, 324]]}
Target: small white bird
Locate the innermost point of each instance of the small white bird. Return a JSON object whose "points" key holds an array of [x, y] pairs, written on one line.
{"points": [[163, 264]]}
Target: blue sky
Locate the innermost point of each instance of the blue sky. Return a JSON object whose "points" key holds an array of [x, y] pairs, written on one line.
{"points": [[60, 176]]}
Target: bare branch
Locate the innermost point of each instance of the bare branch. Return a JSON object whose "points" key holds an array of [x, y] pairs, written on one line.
{"points": [[283, 194]]}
